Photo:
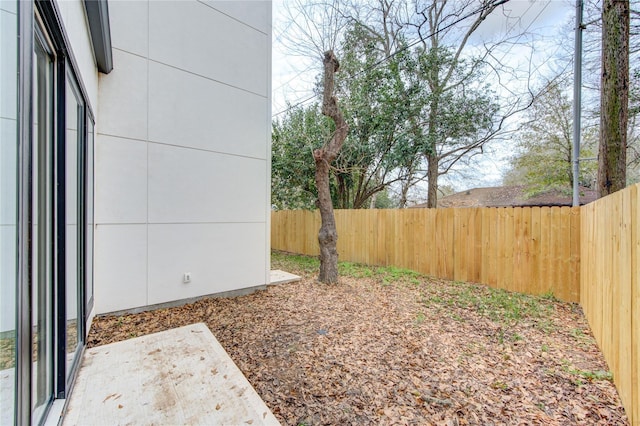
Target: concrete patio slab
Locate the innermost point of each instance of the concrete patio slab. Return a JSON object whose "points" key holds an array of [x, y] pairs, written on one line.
{"points": [[180, 376], [7, 382], [282, 277]]}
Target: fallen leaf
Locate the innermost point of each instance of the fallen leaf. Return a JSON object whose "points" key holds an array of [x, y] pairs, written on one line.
{"points": [[399, 352]]}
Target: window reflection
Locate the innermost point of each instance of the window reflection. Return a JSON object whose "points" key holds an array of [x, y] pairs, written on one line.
{"points": [[89, 209], [41, 231], [74, 133]]}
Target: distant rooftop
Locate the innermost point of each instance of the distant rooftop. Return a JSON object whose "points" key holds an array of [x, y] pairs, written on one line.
{"points": [[511, 196]]}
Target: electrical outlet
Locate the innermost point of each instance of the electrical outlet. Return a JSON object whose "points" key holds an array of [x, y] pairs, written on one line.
{"points": [[186, 278]]}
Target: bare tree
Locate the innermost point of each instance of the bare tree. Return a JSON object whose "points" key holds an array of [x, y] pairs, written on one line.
{"points": [[328, 236], [444, 29], [314, 30], [614, 98], [439, 18]]}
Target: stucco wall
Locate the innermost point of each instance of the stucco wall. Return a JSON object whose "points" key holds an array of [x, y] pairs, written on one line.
{"points": [[183, 152], [75, 24], [8, 128]]}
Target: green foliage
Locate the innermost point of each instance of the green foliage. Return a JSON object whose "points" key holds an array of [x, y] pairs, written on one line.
{"points": [[499, 385], [384, 201], [376, 102], [591, 376], [502, 307], [497, 304], [355, 270], [297, 264], [544, 149], [507, 306], [465, 108], [633, 136], [309, 265], [386, 274], [7, 351], [292, 166], [634, 93], [549, 296], [400, 110], [379, 100]]}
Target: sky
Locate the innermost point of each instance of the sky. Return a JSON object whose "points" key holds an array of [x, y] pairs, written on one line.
{"points": [[294, 76]]}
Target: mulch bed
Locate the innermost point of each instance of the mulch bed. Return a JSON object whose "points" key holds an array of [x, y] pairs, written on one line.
{"points": [[409, 351]]}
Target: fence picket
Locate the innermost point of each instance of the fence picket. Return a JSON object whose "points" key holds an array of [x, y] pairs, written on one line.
{"points": [[522, 249], [634, 201], [534, 252], [609, 243], [494, 251], [518, 250]]}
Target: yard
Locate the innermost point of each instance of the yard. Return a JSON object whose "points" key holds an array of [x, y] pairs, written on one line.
{"points": [[390, 346]]}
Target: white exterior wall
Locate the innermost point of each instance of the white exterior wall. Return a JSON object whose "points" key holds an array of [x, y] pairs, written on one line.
{"points": [[8, 129], [75, 24], [183, 152]]}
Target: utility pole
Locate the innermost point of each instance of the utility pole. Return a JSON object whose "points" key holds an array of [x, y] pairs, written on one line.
{"points": [[577, 102]]}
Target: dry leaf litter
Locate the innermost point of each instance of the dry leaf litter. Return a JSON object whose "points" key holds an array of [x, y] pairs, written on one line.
{"points": [[387, 346]]}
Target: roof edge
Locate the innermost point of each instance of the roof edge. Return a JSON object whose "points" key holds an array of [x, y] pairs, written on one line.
{"points": [[98, 17]]}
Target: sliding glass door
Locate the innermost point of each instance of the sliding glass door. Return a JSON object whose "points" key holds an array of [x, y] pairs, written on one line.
{"points": [[75, 138], [88, 203], [42, 228], [46, 212]]}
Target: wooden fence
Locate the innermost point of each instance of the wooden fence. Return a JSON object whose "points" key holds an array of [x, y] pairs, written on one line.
{"points": [[530, 250], [610, 287], [589, 255]]}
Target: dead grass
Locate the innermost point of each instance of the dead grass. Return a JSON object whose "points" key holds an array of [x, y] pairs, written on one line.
{"points": [[389, 346]]}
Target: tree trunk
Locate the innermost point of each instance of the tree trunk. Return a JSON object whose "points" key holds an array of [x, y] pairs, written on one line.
{"points": [[432, 177], [404, 192], [372, 201], [343, 191], [328, 236], [614, 95], [569, 161], [432, 153]]}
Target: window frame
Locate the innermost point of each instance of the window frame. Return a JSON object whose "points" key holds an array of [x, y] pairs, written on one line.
{"points": [[42, 20]]}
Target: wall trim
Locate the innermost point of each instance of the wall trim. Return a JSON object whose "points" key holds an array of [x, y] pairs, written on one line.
{"points": [[181, 302], [98, 18]]}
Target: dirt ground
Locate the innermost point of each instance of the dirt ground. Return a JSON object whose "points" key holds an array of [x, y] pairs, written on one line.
{"points": [[391, 347]]}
